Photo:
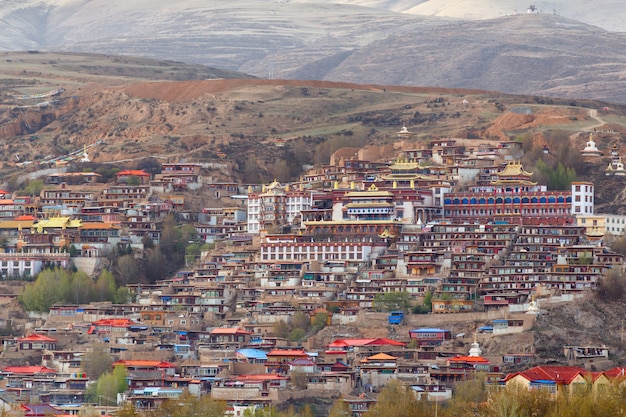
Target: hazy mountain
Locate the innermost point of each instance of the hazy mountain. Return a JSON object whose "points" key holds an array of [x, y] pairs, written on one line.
{"points": [[404, 42], [607, 14]]}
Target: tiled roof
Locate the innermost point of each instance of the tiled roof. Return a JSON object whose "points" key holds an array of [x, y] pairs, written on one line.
{"points": [[616, 372], [16, 224], [58, 222], [99, 226], [114, 322], [230, 330], [469, 359], [287, 352], [29, 370], [145, 363], [260, 377], [558, 374], [36, 338], [302, 362], [134, 172], [381, 357], [365, 342]]}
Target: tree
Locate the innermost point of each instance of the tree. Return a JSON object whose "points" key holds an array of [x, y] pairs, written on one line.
{"points": [[320, 320], [399, 401], [192, 252], [33, 188], [57, 285], [105, 287], [123, 296], [81, 288], [612, 286], [297, 335], [128, 269], [559, 178], [133, 180], [301, 320], [150, 165], [252, 173], [147, 242], [96, 362], [398, 300], [468, 397], [617, 243], [280, 329], [127, 410], [106, 389], [299, 379], [189, 406], [108, 385], [170, 235], [340, 408], [50, 287], [120, 373], [266, 411], [280, 170], [156, 265]]}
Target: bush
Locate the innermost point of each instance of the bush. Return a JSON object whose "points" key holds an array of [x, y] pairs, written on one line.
{"points": [[297, 335]]}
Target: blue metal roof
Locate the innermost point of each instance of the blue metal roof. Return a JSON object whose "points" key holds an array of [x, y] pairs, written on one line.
{"points": [[543, 381], [252, 353], [427, 330]]}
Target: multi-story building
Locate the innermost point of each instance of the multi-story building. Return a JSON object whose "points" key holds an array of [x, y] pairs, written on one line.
{"points": [[515, 199], [276, 206], [181, 176]]}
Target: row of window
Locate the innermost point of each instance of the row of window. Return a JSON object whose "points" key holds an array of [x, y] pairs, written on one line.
{"points": [[310, 256], [508, 200], [491, 212]]}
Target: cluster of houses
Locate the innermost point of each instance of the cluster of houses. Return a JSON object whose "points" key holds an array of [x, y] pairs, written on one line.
{"points": [[464, 229]]}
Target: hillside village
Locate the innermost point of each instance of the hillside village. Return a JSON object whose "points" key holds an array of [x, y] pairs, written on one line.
{"points": [[333, 284]]}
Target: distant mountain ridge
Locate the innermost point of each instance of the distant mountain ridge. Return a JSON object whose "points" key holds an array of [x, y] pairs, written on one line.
{"points": [[387, 42]]}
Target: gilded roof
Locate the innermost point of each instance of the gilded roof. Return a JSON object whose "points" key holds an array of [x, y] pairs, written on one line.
{"points": [[58, 222], [406, 165], [513, 182], [15, 224], [514, 169]]}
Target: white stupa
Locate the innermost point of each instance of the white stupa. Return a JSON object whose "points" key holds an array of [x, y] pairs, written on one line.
{"points": [[475, 350], [590, 148], [404, 132], [85, 157], [533, 307]]}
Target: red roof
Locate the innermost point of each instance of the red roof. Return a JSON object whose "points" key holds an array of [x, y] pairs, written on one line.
{"points": [[25, 217], [381, 341], [287, 352], [36, 338], [133, 172], [302, 362], [335, 352], [230, 330], [615, 372], [114, 322], [260, 377], [469, 359], [145, 364], [29, 370], [558, 374]]}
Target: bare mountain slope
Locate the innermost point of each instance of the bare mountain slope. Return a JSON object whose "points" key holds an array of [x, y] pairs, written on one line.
{"points": [[517, 54], [542, 54], [607, 14]]}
